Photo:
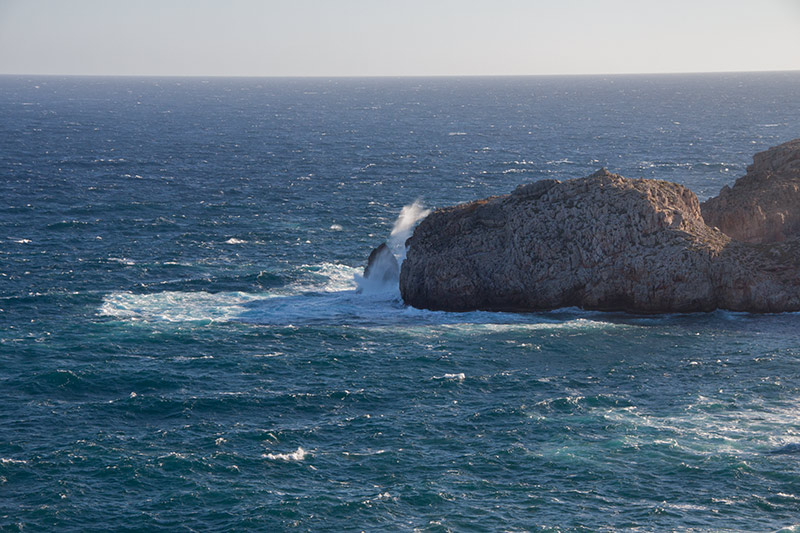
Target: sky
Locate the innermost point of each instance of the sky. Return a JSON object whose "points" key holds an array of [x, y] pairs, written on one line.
{"points": [[396, 37]]}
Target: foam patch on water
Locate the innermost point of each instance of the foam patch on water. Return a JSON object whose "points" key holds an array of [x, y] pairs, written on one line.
{"points": [[327, 297], [172, 306], [580, 324], [296, 456], [325, 277], [486, 323], [122, 260], [323, 292], [709, 426], [452, 377], [326, 294], [308, 308], [9, 461]]}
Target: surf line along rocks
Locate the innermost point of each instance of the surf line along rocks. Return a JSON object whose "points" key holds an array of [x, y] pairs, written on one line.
{"points": [[603, 242]]}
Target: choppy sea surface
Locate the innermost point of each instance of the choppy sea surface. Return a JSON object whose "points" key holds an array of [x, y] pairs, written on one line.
{"points": [[182, 347]]}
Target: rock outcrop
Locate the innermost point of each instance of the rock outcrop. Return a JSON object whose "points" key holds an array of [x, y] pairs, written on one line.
{"points": [[763, 205], [603, 242]]}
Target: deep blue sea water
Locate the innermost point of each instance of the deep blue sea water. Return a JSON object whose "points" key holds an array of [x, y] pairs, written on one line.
{"points": [[182, 347]]}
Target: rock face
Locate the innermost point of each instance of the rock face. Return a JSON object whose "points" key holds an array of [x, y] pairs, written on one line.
{"points": [[764, 204], [602, 242]]}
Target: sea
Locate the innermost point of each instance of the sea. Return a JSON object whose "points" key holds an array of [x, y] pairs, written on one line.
{"points": [[184, 345]]}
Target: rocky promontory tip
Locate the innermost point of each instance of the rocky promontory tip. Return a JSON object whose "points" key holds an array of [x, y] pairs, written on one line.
{"points": [[764, 204], [603, 242]]}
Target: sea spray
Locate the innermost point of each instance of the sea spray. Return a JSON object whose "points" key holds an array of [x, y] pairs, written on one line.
{"points": [[383, 268], [409, 216]]}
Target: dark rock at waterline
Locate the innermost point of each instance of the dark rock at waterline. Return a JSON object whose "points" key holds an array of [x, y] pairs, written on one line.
{"points": [[763, 205], [602, 242], [382, 266]]}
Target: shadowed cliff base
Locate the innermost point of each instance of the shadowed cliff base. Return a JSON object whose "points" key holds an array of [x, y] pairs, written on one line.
{"points": [[606, 242]]}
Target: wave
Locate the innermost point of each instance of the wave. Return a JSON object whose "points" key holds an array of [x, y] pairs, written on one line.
{"points": [[121, 260], [298, 455], [175, 306], [9, 461], [328, 294], [328, 297], [792, 448], [452, 377]]}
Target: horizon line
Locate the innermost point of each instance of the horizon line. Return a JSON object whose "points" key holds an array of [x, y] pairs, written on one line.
{"points": [[396, 76]]}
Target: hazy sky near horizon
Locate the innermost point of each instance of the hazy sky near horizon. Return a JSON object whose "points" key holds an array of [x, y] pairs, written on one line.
{"points": [[396, 38]]}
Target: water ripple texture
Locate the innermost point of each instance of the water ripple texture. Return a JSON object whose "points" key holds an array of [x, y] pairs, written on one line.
{"points": [[185, 345]]}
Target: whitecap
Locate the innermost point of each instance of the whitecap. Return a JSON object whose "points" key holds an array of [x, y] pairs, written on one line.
{"points": [[9, 461], [684, 506], [517, 171], [485, 323], [795, 528], [173, 306], [234, 240], [452, 377], [364, 454], [122, 261], [298, 455], [326, 277]]}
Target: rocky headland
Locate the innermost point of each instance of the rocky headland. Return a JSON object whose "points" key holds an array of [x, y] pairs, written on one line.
{"points": [[606, 242]]}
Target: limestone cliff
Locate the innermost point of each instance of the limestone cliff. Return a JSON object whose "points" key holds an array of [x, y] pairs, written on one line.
{"points": [[602, 242], [764, 204]]}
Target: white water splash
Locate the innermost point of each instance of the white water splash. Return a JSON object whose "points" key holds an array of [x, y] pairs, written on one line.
{"points": [[409, 216], [452, 377], [298, 455], [381, 280], [176, 306]]}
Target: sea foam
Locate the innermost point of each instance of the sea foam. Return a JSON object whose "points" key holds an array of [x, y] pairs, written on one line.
{"points": [[298, 455]]}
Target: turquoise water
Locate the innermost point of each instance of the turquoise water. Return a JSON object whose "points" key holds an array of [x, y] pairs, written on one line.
{"points": [[182, 347]]}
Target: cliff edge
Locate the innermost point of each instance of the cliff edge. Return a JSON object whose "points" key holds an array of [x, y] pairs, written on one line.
{"points": [[763, 205]]}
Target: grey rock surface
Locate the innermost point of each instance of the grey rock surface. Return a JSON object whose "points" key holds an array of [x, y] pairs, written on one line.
{"points": [[763, 205], [603, 242]]}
